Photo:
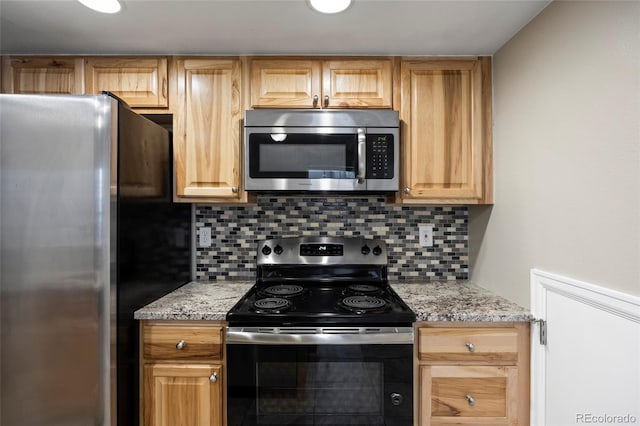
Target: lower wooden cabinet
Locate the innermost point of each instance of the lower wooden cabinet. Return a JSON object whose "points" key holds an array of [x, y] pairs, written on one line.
{"points": [[182, 368], [182, 394], [473, 374]]}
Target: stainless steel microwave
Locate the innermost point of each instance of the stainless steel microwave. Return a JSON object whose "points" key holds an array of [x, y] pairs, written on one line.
{"points": [[321, 150]]}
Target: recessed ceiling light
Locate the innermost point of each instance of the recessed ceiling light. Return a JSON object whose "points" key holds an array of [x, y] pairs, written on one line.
{"points": [[330, 6], [104, 6]]}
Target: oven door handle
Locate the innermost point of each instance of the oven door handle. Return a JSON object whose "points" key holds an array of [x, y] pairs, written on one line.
{"points": [[319, 335]]}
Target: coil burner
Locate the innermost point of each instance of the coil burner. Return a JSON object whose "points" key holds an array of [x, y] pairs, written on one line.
{"points": [[271, 305], [284, 290], [362, 304], [364, 289]]}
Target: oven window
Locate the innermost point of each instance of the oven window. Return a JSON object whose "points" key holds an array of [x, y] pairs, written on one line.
{"points": [[286, 390], [303, 156], [332, 385]]}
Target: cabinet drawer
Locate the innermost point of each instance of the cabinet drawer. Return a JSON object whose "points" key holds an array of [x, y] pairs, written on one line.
{"points": [[467, 392], [468, 344], [176, 342]]}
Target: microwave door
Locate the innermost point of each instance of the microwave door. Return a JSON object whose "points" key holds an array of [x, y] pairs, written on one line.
{"points": [[304, 159]]}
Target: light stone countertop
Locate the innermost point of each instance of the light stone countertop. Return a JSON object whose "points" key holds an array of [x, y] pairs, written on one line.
{"points": [[458, 301], [431, 301], [205, 300]]}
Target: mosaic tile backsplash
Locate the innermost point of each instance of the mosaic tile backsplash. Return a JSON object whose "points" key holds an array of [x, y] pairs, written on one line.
{"points": [[236, 229]]}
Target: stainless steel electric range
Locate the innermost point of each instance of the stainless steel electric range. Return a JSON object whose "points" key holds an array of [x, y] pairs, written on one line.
{"points": [[321, 338]]}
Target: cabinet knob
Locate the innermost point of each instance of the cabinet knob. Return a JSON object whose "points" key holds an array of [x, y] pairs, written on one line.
{"points": [[326, 101], [234, 189], [315, 101], [470, 346], [407, 190], [213, 378], [180, 345], [471, 400]]}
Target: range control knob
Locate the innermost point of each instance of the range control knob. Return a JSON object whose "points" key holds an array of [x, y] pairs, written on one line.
{"points": [[266, 250], [278, 250], [365, 250], [377, 251]]}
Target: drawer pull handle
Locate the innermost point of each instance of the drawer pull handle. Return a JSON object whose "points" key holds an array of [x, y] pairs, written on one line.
{"points": [[471, 400], [213, 378], [470, 346], [180, 345]]}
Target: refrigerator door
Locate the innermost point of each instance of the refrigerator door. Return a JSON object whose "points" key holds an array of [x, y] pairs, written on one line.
{"points": [[57, 183]]}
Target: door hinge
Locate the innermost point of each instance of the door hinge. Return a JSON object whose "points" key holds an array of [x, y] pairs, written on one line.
{"points": [[543, 330]]}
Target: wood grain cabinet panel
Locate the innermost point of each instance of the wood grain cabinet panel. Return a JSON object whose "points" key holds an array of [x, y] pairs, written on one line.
{"points": [[289, 83], [472, 374], [140, 81], [477, 394], [179, 342], [321, 83], [468, 344], [182, 394], [207, 130], [182, 373], [445, 108], [42, 75], [358, 83], [142, 165]]}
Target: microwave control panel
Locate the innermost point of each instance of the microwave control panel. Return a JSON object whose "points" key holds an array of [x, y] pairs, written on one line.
{"points": [[380, 156]]}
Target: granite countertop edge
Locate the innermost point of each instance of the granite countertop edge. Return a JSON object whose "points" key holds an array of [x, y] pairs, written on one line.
{"points": [[432, 301]]}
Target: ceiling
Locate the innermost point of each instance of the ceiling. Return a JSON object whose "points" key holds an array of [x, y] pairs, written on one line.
{"points": [[223, 27]]}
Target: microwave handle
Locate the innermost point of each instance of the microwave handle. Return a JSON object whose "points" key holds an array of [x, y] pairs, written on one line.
{"points": [[362, 156]]}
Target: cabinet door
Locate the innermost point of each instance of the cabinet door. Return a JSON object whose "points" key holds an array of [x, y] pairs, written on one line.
{"points": [[357, 83], [468, 395], [290, 83], [182, 394], [141, 82], [447, 145], [207, 129], [42, 75]]}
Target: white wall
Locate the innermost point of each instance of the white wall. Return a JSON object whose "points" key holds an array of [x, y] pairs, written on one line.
{"points": [[566, 152]]}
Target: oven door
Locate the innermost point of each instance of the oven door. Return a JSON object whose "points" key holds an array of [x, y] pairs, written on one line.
{"points": [[324, 376], [304, 159]]}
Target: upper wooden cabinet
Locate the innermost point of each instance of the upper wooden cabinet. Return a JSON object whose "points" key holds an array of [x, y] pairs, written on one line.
{"points": [[139, 81], [315, 83], [42, 75], [446, 114], [143, 157], [207, 127], [444, 106]]}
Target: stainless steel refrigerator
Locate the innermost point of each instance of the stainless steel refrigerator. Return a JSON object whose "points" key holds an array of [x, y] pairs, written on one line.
{"points": [[89, 234]]}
